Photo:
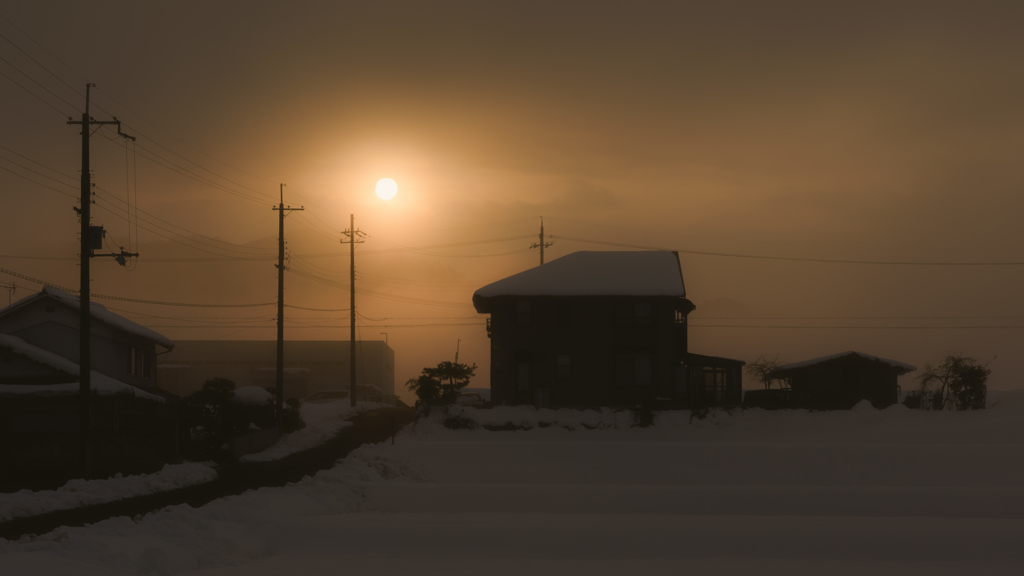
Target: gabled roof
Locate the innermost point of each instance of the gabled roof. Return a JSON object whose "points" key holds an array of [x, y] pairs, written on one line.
{"points": [[651, 273], [902, 367], [98, 312], [99, 383]]}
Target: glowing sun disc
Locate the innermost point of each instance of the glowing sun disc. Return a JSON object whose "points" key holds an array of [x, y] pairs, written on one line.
{"points": [[387, 188]]}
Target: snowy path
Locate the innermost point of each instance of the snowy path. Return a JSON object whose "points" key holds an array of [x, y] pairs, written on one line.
{"points": [[781, 493]]}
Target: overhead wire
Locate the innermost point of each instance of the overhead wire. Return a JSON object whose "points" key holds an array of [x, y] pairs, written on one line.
{"points": [[787, 258]]}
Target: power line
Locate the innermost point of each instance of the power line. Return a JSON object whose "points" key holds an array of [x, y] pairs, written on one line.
{"points": [[38, 183], [245, 250], [36, 96], [37, 83], [38, 63], [792, 259], [135, 300]]}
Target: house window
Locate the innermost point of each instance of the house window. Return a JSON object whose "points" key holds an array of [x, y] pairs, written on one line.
{"points": [[636, 313], [642, 314], [715, 383], [138, 363], [634, 370], [523, 376], [563, 367], [132, 361], [523, 313]]}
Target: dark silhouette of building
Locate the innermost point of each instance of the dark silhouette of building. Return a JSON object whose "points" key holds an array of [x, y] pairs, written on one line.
{"points": [[600, 329], [840, 381], [133, 424]]}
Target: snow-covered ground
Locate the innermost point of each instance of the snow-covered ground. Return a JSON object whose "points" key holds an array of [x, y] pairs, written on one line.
{"points": [[78, 493], [866, 491], [323, 421]]}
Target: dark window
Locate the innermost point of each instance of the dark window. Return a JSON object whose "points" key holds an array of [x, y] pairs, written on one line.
{"points": [[146, 364], [634, 370], [715, 382], [523, 313], [133, 362], [563, 367], [636, 313], [523, 376], [642, 313]]}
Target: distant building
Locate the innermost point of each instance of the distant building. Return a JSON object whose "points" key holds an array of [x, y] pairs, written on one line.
{"points": [[840, 381], [600, 329], [134, 426], [309, 365]]}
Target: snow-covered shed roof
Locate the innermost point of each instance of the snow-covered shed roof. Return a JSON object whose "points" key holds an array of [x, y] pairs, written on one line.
{"points": [[99, 383], [98, 311], [902, 366], [648, 273]]}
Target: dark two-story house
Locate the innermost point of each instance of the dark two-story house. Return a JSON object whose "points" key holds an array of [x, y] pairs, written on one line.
{"points": [[600, 329], [133, 424]]}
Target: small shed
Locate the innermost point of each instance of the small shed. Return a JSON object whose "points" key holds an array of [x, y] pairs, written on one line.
{"points": [[840, 381]]}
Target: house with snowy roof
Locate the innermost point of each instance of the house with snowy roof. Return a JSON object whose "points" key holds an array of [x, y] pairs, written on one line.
{"points": [[131, 419], [600, 329], [840, 381]]}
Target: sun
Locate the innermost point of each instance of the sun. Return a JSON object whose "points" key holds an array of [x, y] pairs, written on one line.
{"points": [[387, 188]]}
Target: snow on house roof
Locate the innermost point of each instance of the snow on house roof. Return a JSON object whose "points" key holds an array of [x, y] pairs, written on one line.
{"points": [[99, 383], [895, 364], [98, 312], [648, 273]]}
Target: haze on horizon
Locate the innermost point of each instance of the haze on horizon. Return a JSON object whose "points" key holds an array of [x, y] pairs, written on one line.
{"points": [[870, 132]]}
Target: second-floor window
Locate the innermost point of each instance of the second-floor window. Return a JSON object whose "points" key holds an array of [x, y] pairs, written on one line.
{"points": [[636, 313], [138, 363], [523, 313]]}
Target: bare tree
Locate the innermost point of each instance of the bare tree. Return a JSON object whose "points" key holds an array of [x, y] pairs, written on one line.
{"points": [[764, 368], [959, 383]]}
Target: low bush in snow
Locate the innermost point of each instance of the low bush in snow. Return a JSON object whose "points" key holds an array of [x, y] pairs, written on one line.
{"points": [[218, 412]]}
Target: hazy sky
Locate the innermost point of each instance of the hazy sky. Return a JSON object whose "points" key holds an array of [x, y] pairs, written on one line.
{"points": [[872, 131]]}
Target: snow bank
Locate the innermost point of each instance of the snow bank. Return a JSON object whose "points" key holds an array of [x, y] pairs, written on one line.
{"points": [[784, 492], [78, 493], [1002, 424], [227, 532], [529, 417], [323, 422]]}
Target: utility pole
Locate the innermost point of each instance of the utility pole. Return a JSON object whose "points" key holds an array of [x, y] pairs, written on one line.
{"points": [[282, 210], [354, 237], [542, 245], [89, 235]]}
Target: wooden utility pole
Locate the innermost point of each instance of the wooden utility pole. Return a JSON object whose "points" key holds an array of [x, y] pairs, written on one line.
{"points": [[282, 210], [354, 237], [542, 245], [88, 234]]}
